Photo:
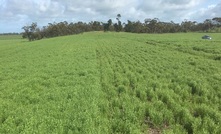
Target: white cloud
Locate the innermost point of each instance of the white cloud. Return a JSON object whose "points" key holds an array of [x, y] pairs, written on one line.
{"points": [[208, 12], [43, 5], [46, 11]]}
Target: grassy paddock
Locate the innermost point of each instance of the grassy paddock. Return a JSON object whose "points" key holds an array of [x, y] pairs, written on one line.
{"points": [[111, 83], [10, 37]]}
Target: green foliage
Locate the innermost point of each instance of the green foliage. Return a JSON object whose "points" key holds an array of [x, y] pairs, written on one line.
{"points": [[148, 26], [111, 83]]}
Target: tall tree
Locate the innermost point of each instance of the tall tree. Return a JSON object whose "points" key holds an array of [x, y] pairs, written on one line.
{"points": [[31, 32], [107, 25], [217, 21], [118, 26], [207, 24]]}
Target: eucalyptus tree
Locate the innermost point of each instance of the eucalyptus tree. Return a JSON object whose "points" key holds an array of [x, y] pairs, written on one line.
{"points": [[31, 32]]}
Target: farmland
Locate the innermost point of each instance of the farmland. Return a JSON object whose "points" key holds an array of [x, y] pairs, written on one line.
{"points": [[111, 83]]}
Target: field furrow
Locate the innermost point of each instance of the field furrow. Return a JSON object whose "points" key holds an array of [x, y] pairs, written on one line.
{"points": [[111, 83]]}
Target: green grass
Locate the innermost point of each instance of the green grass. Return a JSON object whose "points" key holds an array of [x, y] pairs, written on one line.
{"points": [[111, 83], [10, 37]]}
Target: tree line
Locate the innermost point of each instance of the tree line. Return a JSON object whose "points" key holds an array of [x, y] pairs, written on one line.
{"points": [[33, 32], [10, 33]]}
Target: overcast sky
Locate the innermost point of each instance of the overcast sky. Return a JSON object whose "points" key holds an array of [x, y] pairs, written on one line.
{"points": [[17, 13]]}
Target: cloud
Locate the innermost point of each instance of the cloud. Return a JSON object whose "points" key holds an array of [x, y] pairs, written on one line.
{"points": [[46, 11], [208, 12]]}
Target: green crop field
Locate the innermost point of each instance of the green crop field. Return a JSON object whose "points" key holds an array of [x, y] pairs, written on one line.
{"points": [[111, 83]]}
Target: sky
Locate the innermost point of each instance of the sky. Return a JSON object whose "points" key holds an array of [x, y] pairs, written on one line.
{"points": [[14, 14]]}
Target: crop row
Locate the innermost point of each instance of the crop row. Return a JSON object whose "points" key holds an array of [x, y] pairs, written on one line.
{"points": [[160, 89]]}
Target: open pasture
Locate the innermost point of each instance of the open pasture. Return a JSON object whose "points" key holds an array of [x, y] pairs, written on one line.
{"points": [[111, 83]]}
